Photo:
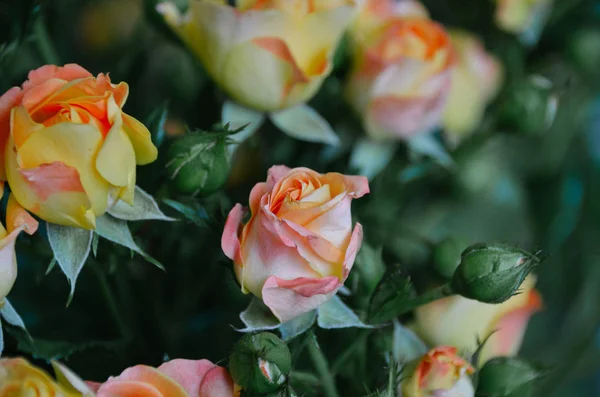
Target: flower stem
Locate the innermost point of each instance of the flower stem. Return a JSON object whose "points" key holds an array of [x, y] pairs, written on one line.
{"points": [[112, 304], [322, 367], [429, 296]]}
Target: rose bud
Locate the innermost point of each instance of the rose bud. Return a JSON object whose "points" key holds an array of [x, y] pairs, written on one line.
{"points": [[462, 322], [492, 273], [260, 363], [401, 71], [299, 245], [175, 378], [198, 165], [508, 377], [71, 152], [266, 54], [475, 81], [440, 372]]}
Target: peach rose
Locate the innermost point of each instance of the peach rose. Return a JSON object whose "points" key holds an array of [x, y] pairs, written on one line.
{"points": [[440, 372], [67, 149], [175, 378], [19, 378], [298, 247], [475, 81], [400, 77], [266, 54], [459, 322]]}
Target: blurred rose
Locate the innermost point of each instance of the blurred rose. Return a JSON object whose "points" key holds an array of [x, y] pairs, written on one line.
{"points": [[266, 54], [401, 72], [460, 322], [516, 16], [175, 378], [71, 151], [299, 245], [17, 220], [475, 81], [19, 378], [440, 372]]}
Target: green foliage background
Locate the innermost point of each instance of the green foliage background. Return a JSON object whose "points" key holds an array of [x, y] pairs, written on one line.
{"points": [[539, 191]]}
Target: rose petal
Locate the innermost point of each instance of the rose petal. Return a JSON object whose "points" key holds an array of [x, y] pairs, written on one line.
{"points": [[217, 383], [188, 373], [230, 242]]}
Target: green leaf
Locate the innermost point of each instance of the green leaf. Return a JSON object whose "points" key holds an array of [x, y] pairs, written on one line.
{"points": [[49, 349], [71, 247], [70, 380], [335, 314], [392, 292], [51, 266], [238, 116], [291, 329], [156, 124], [370, 266], [197, 215], [10, 315], [369, 157], [304, 123], [117, 231], [406, 346], [144, 207], [95, 240], [258, 317], [428, 145]]}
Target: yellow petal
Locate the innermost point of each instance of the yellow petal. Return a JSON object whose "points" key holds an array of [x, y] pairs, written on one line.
{"points": [[116, 160], [18, 218], [145, 151]]}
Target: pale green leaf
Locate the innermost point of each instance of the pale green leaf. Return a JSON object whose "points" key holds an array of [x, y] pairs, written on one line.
{"points": [[238, 116], [69, 380], [304, 123], [369, 157], [117, 231], [291, 329], [335, 314], [144, 207], [71, 247], [428, 145], [258, 317], [10, 315], [406, 346]]}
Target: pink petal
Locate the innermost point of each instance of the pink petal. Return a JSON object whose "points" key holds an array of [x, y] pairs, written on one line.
{"points": [[129, 388], [357, 185], [188, 373], [352, 250], [230, 242], [511, 327], [217, 383], [288, 299], [9, 100], [94, 386], [276, 173], [56, 177], [68, 72], [258, 191]]}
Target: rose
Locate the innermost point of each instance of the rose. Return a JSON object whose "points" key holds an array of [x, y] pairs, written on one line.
{"points": [[440, 372], [69, 151], [299, 246], [17, 220], [19, 378], [175, 378], [460, 322], [266, 54], [475, 81], [400, 77], [517, 16]]}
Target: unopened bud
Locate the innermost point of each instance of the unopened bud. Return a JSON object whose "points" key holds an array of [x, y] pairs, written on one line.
{"points": [[260, 363], [199, 165], [492, 273], [508, 377]]}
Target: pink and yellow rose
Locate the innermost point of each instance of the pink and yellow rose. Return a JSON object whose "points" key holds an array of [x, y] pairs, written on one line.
{"points": [[266, 54], [175, 378], [19, 378], [440, 372], [67, 149], [460, 322], [476, 79], [299, 245], [401, 73]]}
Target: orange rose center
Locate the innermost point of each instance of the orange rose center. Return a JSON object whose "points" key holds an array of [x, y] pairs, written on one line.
{"points": [[297, 193]]}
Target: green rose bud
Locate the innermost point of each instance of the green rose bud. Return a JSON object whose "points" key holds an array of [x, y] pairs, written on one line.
{"points": [[492, 273], [446, 256], [528, 106], [508, 377], [260, 363], [198, 163]]}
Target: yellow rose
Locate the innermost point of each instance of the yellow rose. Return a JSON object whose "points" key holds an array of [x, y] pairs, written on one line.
{"points": [[475, 81], [266, 54], [18, 378], [69, 151], [459, 322], [516, 16], [401, 71], [440, 372]]}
